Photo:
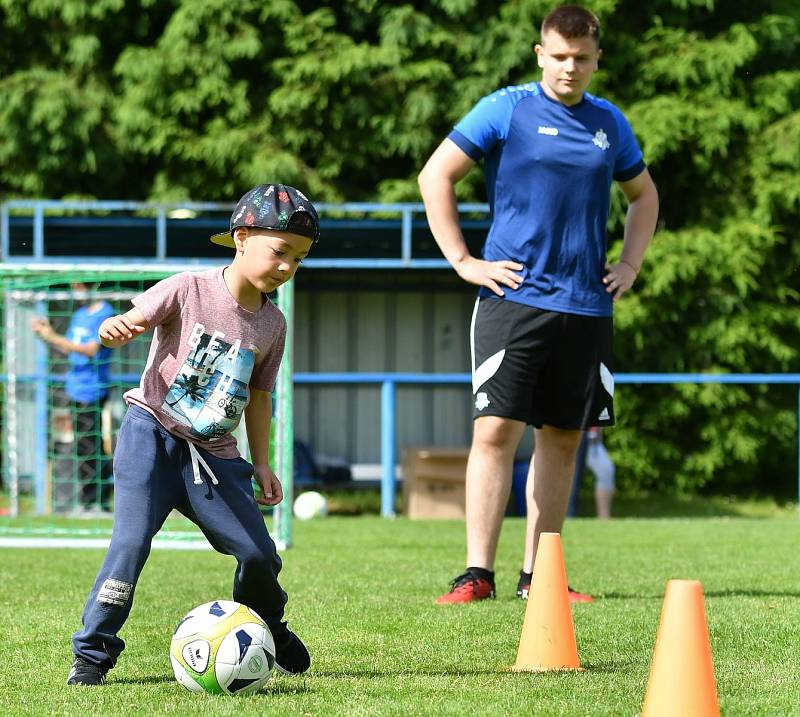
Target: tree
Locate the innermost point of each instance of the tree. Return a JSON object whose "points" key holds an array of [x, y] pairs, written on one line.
{"points": [[196, 99]]}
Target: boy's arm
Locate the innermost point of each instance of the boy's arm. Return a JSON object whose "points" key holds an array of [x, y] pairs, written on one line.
{"points": [[119, 330], [258, 418]]}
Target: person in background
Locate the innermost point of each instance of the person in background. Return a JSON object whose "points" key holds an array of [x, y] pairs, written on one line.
{"points": [[86, 385], [592, 454]]}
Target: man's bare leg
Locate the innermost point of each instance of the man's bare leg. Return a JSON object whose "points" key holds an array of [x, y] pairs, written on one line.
{"points": [[548, 486], [489, 471]]}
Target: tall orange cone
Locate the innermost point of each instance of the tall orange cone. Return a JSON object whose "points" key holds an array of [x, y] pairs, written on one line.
{"points": [[547, 642], [682, 672]]}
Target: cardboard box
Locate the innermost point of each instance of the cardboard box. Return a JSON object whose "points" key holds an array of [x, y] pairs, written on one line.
{"points": [[434, 482]]}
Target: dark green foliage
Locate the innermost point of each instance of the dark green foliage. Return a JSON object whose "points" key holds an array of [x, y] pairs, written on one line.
{"points": [[171, 99]]}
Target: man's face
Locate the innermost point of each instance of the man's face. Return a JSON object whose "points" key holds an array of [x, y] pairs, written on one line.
{"points": [[567, 65]]}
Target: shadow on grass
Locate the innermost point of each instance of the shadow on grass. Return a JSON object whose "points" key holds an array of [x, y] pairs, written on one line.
{"points": [[749, 592], [273, 687], [150, 680], [725, 593], [592, 667]]}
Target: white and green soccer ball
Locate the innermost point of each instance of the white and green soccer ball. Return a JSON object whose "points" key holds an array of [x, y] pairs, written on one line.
{"points": [[222, 647]]}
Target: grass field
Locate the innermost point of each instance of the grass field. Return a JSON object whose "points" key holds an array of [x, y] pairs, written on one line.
{"points": [[361, 595]]}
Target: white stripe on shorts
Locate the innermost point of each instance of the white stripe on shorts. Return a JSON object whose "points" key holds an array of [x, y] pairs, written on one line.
{"points": [[488, 368]]}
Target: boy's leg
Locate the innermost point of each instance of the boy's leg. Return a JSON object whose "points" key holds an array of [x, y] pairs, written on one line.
{"points": [[145, 494], [232, 521]]}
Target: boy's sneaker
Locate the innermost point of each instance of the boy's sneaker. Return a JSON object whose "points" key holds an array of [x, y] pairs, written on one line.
{"points": [[291, 655], [84, 672], [467, 588], [524, 587]]}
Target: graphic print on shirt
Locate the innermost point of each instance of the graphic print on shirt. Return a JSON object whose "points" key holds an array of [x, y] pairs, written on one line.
{"points": [[211, 389]]}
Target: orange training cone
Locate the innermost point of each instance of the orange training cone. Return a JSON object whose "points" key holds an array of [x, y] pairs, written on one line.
{"points": [[547, 642], [682, 673]]}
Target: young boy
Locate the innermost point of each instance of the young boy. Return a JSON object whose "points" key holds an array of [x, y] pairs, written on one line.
{"points": [[214, 356]]}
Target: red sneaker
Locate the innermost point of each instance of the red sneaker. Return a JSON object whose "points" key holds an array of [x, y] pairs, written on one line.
{"points": [[524, 587], [467, 588], [575, 596]]}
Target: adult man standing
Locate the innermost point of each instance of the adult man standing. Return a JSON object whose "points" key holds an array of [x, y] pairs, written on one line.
{"points": [[541, 331]]}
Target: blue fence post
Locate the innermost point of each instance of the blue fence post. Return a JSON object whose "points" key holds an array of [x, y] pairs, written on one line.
{"points": [[41, 439], [38, 231], [161, 234], [388, 482]]}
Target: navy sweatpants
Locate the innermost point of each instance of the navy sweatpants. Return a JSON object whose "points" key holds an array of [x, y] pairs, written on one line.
{"points": [[152, 475]]}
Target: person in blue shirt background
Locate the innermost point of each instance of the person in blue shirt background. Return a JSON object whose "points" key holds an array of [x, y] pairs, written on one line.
{"points": [[592, 454], [86, 384], [541, 333]]}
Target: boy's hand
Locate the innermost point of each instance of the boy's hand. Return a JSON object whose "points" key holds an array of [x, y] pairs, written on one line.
{"points": [[271, 488], [118, 330]]}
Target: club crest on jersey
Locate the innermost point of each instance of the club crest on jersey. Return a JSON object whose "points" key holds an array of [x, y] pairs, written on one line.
{"points": [[601, 140]]}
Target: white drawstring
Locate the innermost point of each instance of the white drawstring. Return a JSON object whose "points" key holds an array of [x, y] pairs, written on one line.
{"points": [[198, 459]]}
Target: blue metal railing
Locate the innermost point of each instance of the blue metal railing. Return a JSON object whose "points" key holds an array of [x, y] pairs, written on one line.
{"points": [[389, 382], [162, 217]]}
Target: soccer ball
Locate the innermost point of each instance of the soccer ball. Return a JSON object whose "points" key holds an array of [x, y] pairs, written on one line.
{"points": [[222, 647], [310, 505]]}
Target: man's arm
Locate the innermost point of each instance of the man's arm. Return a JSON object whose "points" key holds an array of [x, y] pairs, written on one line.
{"points": [[48, 334], [640, 225], [447, 166], [258, 418]]}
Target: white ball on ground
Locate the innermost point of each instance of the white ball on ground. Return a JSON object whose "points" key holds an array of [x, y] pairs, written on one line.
{"points": [[310, 505]]}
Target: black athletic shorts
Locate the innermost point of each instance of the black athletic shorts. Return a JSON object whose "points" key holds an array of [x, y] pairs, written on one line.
{"points": [[541, 367]]}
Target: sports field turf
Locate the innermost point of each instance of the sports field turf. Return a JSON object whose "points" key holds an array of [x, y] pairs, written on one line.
{"points": [[361, 595]]}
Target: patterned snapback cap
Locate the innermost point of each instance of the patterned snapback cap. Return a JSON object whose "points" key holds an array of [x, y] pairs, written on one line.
{"points": [[273, 206]]}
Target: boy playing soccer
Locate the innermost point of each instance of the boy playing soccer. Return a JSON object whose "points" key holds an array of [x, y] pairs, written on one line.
{"points": [[214, 356]]}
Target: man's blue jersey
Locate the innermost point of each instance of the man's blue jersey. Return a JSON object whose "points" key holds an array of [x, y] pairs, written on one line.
{"points": [[549, 170]]}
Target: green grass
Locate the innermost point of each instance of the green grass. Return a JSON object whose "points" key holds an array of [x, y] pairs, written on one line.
{"points": [[361, 595]]}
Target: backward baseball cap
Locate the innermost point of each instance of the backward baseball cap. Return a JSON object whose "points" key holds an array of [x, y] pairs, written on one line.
{"points": [[273, 206]]}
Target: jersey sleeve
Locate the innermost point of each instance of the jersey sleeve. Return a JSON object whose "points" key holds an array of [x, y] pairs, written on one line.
{"points": [[163, 300], [629, 162], [484, 126]]}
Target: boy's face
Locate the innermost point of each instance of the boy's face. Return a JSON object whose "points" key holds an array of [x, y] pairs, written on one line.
{"points": [[268, 258], [567, 65]]}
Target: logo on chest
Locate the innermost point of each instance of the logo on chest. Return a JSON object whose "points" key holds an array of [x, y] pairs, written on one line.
{"points": [[550, 131], [601, 140]]}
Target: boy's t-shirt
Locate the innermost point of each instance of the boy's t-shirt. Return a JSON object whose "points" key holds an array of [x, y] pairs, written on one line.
{"points": [[206, 352]]}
